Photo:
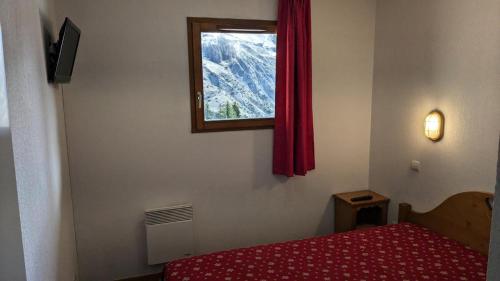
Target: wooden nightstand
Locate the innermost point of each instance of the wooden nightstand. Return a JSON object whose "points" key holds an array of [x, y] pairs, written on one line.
{"points": [[350, 215]]}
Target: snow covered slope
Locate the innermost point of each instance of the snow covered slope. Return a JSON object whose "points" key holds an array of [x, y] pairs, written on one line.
{"points": [[239, 74]]}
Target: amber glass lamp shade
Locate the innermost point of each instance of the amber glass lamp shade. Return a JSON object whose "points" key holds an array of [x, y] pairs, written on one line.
{"points": [[434, 125]]}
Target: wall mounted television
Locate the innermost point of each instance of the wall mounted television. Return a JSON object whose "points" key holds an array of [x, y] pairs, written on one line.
{"points": [[62, 54]]}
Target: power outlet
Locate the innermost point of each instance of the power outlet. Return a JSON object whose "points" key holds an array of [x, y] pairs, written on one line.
{"points": [[415, 165]]}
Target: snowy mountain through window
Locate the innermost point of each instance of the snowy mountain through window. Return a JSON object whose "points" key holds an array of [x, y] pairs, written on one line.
{"points": [[239, 75]]}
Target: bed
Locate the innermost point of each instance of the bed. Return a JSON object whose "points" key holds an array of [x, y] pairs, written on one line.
{"points": [[447, 243]]}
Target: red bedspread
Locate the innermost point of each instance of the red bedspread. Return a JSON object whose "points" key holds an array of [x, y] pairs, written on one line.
{"points": [[394, 252]]}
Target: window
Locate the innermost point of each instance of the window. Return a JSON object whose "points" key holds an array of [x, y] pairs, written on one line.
{"points": [[232, 73], [4, 113]]}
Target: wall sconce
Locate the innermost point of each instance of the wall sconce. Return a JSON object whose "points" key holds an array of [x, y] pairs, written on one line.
{"points": [[434, 125]]}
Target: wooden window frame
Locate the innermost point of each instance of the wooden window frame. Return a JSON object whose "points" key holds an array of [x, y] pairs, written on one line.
{"points": [[195, 27]]}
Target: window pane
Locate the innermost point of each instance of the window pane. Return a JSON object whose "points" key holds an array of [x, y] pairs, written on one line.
{"points": [[239, 75]]}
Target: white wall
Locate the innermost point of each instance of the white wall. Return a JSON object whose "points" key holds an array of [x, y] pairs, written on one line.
{"points": [[435, 54], [11, 255], [128, 119], [38, 145]]}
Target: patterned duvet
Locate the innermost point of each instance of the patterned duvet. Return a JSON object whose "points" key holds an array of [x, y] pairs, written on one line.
{"points": [[393, 252]]}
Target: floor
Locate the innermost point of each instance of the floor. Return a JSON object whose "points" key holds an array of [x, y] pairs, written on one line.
{"points": [[153, 277]]}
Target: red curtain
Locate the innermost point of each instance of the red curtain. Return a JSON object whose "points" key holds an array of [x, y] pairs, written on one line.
{"points": [[293, 129]]}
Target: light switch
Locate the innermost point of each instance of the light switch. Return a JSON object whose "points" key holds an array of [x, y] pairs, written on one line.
{"points": [[415, 165]]}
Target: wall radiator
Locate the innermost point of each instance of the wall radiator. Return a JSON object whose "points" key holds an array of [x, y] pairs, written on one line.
{"points": [[169, 233]]}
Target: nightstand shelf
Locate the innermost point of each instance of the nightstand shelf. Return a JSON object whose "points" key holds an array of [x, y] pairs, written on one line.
{"points": [[350, 215]]}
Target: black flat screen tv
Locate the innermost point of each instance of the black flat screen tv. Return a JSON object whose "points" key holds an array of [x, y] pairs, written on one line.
{"points": [[63, 53]]}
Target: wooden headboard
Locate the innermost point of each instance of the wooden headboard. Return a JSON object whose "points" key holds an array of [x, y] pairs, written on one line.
{"points": [[465, 217]]}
